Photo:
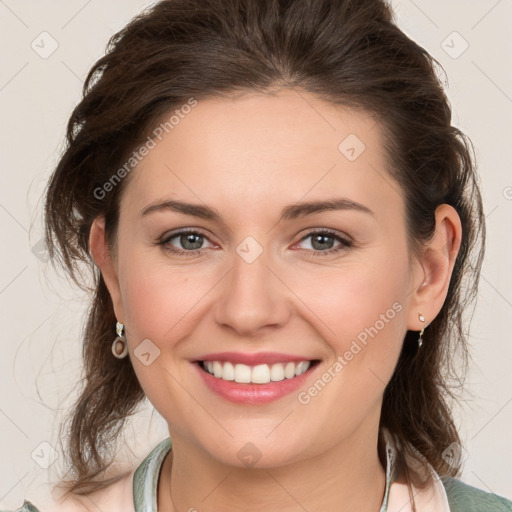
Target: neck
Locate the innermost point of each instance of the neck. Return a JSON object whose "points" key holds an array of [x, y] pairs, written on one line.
{"points": [[348, 477]]}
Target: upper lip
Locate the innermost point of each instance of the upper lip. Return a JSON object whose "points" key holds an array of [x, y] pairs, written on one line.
{"points": [[253, 359]]}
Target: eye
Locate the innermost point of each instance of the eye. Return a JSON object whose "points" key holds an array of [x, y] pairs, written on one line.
{"points": [[322, 242], [190, 242]]}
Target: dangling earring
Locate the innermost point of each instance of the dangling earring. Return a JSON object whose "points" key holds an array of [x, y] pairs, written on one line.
{"points": [[119, 345], [420, 339]]}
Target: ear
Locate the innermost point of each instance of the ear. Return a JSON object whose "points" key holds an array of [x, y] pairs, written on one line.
{"points": [[102, 256], [434, 269]]}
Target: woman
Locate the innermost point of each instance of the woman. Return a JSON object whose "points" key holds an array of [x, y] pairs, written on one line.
{"points": [[279, 215]]}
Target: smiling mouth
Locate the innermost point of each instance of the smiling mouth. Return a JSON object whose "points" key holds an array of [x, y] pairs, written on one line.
{"points": [[258, 374]]}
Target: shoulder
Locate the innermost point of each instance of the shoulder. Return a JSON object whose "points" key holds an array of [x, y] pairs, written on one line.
{"points": [[117, 497], [26, 507], [67, 505], [70, 504], [465, 498]]}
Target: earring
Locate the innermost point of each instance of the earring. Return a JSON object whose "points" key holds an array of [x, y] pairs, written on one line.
{"points": [[420, 339], [119, 345]]}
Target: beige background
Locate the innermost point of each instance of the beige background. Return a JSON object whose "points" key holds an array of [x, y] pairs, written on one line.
{"points": [[41, 313]]}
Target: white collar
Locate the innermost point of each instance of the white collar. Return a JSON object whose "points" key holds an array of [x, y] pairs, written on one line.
{"points": [[431, 499]]}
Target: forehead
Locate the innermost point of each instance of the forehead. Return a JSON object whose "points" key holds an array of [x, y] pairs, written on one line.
{"points": [[258, 149]]}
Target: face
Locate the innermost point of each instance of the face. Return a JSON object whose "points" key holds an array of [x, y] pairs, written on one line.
{"points": [[265, 282]]}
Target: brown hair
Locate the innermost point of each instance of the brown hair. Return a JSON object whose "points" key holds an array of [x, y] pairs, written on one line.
{"points": [[347, 52]]}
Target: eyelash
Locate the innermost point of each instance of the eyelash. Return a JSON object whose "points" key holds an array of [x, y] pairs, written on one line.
{"points": [[345, 243]]}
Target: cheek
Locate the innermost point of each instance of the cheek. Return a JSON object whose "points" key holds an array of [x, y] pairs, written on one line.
{"points": [[362, 307], [159, 304], [355, 298], [157, 298], [156, 290], [365, 319]]}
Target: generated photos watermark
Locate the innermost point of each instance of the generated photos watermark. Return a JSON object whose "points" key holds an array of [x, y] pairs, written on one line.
{"points": [[357, 345], [137, 156]]}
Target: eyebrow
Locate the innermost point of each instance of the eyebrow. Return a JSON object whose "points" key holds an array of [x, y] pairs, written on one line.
{"points": [[290, 212]]}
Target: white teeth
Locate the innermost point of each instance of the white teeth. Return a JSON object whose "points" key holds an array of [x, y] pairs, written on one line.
{"points": [[217, 369], [277, 372], [228, 372], [289, 370], [259, 374], [242, 373], [301, 368]]}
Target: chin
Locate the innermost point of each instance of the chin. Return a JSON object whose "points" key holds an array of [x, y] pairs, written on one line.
{"points": [[257, 451]]}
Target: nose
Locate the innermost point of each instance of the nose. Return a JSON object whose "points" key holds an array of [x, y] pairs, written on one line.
{"points": [[253, 297]]}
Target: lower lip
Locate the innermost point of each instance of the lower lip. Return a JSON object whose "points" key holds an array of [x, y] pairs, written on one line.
{"points": [[253, 393]]}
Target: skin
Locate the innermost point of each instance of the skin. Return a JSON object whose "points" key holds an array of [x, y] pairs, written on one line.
{"points": [[248, 157]]}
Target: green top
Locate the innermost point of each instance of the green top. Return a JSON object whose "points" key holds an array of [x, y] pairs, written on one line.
{"points": [[461, 497]]}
